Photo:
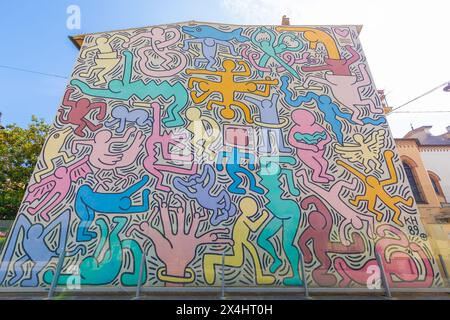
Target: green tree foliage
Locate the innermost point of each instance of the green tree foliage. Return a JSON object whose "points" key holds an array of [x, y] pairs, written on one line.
{"points": [[19, 151]]}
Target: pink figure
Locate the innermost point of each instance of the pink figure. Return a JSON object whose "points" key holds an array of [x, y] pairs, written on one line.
{"points": [[401, 266], [177, 247], [310, 140], [160, 43], [57, 184], [165, 141], [317, 234], [336, 202], [102, 156], [345, 85]]}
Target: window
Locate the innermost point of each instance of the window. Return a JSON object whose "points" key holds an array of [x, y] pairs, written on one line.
{"points": [[413, 183], [436, 184], [435, 187]]}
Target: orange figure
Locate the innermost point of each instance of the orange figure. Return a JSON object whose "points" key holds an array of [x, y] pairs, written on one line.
{"points": [[374, 190], [227, 86]]}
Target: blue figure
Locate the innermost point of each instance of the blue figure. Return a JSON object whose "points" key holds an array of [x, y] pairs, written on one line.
{"points": [[121, 115], [269, 121], [234, 166], [199, 187], [210, 38], [35, 248], [88, 202], [330, 110]]}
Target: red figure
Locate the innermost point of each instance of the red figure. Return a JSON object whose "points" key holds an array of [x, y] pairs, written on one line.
{"points": [[404, 262], [319, 230], [78, 112], [339, 67]]}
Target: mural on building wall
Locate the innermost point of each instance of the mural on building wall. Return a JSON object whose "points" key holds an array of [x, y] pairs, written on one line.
{"points": [[175, 144]]}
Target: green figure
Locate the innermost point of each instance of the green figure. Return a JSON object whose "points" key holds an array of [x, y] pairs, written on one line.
{"points": [[311, 139], [272, 51], [285, 214], [124, 89], [95, 272]]}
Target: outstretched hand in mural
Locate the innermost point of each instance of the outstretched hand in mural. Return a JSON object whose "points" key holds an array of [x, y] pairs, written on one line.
{"points": [[176, 246]]}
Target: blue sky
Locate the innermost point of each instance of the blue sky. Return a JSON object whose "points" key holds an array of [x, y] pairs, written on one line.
{"points": [[406, 58]]}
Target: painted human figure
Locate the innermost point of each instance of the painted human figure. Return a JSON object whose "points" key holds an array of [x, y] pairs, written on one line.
{"points": [[121, 115], [79, 110], [235, 167], [338, 67], [344, 85], [406, 263], [104, 156], [374, 190], [264, 39], [285, 214], [365, 150], [310, 140], [202, 137], [51, 190], [35, 248], [88, 202], [199, 187], [165, 140], [177, 247], [337, 202], [52, 149], [330, 110], [105, 265], [126, 88], [242, 228], [210, 38], [161, 40], [318, 235], [269, 121], [106, 59], [314, 36], [227, 86]]}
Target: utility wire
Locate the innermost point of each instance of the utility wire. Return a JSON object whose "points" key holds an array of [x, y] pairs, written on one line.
{"points": [[35, 72], [431, 111], [422, 95]]}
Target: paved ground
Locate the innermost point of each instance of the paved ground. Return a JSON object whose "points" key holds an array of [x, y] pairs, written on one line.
{"points": [[228, 297]]}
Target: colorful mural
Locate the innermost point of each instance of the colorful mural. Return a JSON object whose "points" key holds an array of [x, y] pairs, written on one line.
{"points": [[176, 144]]}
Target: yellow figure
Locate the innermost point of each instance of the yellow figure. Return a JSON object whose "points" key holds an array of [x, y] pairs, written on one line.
{"points": [[241, 232], [374, 190], [105, 60], [365, 151], [202, 138], [314, 36], [227, 86], [52, 150]]}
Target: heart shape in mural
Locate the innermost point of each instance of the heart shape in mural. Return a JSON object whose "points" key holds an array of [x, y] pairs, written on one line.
{"points": [[341, 32]]}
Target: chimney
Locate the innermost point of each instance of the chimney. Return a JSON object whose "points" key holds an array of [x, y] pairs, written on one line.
{"points": [[285, 21]]}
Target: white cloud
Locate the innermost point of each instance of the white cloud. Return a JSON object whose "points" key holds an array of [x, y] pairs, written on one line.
{"points": [[406, 43]]}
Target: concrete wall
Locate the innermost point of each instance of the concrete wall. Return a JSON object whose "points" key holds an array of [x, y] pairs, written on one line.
{"points": [[177, 143]]}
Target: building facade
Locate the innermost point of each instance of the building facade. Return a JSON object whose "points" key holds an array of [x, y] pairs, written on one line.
{"points": [[177, 146], [426, 159]]}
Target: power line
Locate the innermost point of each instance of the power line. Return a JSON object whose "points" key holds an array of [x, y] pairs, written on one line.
{"points": [[35, 72], [431, 111], [422, 95]]}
